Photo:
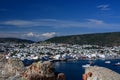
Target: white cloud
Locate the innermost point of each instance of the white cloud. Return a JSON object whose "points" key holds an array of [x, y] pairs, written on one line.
{"points": [[95, 21], [54, 23], [50, 23], [49, 34], [18, 23], [30, 34], [104, 7], [41, 36]]}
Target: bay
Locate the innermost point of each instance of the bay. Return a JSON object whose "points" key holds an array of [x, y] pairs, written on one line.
{"points": [[73, 70]]}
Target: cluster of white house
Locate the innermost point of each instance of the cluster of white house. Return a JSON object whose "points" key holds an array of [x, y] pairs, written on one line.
{"points": [[52, 51]]}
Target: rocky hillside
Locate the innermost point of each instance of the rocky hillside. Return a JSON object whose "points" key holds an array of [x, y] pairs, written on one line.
{"points": [[102, 39], [15, 40], [100, 73]]}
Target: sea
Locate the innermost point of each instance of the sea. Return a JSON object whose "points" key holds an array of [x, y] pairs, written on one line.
{"points": [[73, 70]]}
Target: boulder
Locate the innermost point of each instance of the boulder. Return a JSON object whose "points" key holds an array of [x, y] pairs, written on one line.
{"points": [[42, 71], [100, 73], [14, 66], [13, 69], [10, 69], [61, 76], [47, 69]]}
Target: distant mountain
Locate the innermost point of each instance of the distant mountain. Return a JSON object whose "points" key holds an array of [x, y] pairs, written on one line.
{"points": [[102, 39], [15, 40]]}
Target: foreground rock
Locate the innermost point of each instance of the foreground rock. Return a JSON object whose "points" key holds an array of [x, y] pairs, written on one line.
{"points": [[42, 71], [10, 69], [13, 69], [100, 73]]}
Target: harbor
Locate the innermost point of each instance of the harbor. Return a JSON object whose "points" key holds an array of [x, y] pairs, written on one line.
{"points": [[74, 70]]}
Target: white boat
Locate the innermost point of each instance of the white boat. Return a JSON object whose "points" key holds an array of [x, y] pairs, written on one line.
{"points": [[117, 64], [86, 65], [107, 62]]}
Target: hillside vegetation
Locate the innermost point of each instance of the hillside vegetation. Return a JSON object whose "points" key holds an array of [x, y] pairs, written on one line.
{"points": [[102, 39]]}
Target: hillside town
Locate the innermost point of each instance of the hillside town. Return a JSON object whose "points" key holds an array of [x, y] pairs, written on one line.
{"points": [[58, 52]]}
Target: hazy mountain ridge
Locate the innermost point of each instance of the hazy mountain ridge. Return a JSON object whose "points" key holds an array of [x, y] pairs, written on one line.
{"points": [[15, 40], [102, 39]]}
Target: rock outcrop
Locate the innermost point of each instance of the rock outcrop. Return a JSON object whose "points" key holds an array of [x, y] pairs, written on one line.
{"points": [[13, 69], [100, 73], [2, 65], [42, 71]]}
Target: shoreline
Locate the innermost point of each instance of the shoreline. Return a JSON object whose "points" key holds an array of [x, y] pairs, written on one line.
{"points": [[66, 60]]}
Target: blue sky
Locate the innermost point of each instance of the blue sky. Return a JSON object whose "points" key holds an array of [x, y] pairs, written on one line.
{"points": [[43, 19]]}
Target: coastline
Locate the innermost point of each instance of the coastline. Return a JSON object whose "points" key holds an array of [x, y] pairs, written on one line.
{"points": [[72, 69]]}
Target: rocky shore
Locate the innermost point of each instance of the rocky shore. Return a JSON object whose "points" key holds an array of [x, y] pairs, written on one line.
{"points": [[100, 73], [13, 69]]}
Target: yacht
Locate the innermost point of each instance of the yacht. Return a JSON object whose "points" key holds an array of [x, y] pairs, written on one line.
{"points": [[117, 64], [107, 62], [86, 65]]}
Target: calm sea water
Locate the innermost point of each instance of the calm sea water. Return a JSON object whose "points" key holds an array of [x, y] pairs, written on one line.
{"points": [[74, 70]]}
